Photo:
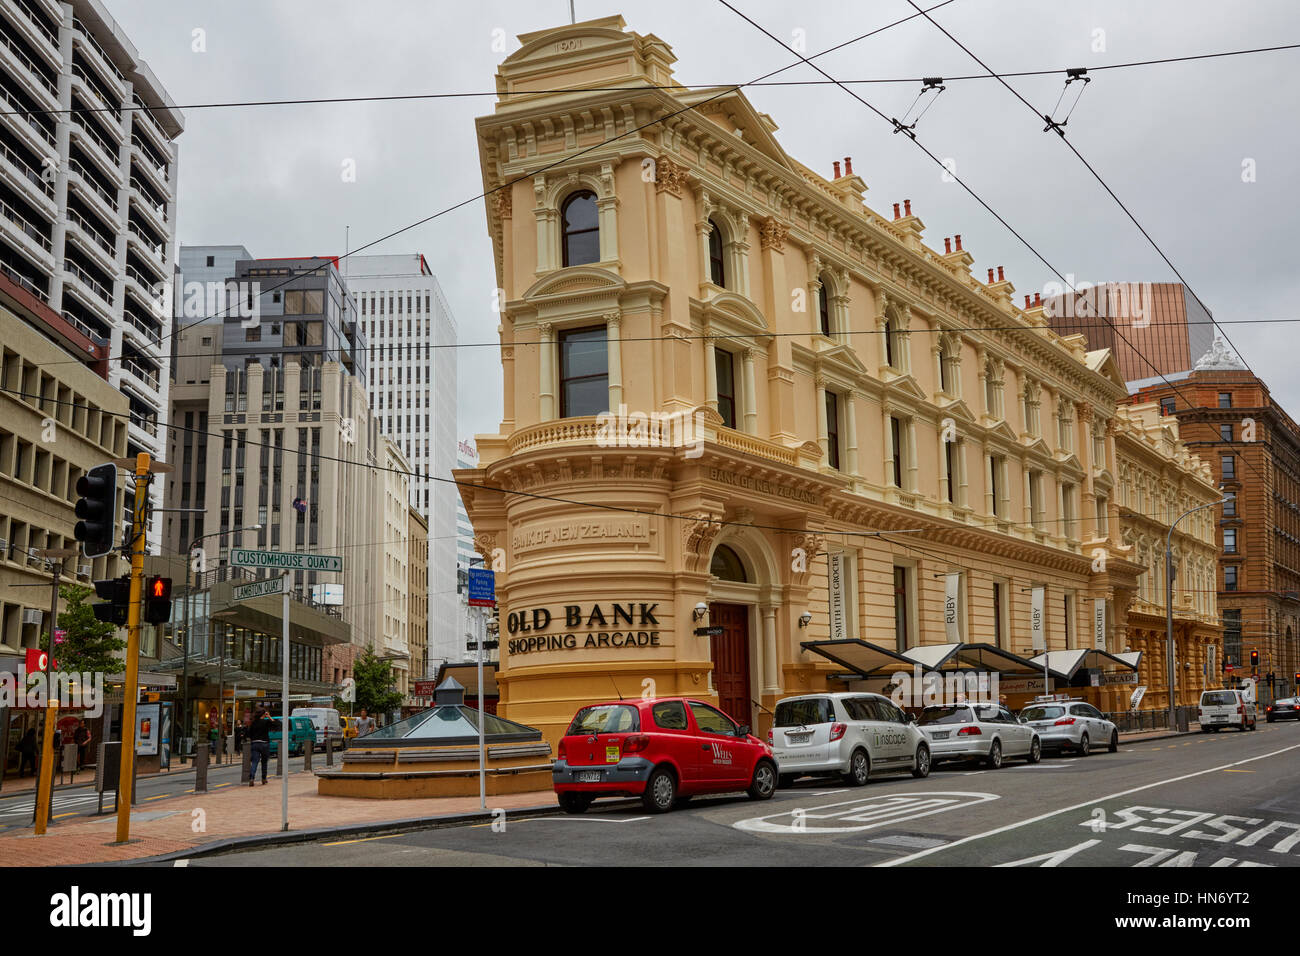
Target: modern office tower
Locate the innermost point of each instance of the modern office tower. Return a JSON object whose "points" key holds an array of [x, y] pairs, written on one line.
{"points": [[88, 166], [391, 554], [412, 389], [273, 428], [466, 457]]}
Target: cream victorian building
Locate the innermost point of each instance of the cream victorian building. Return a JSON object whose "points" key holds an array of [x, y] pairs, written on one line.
{"points": [[819, 417]]}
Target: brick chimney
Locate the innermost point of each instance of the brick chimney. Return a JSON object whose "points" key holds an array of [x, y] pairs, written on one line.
{"points": [[947, 246], [990, 277], [896, 216], [848, 165], [1026, 300], [837, 169], [907, 207], [1001, 277], [957, 240], [1038, 299]]}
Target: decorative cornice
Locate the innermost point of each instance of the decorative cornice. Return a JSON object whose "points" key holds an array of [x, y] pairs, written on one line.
{"points": [[772, 233], [670, 176]]}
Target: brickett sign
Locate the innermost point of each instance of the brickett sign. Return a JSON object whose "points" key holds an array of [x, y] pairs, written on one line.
{"points": [[574, 626]]}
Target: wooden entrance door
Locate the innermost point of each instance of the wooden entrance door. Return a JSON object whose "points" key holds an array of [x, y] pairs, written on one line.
{"points": [[731, 660]]}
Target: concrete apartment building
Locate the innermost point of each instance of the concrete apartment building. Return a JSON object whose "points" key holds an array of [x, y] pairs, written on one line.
{"points": [[389, 553], [417, 591], [88, 173], [1229, 418], [411, 335], [282, 436]]}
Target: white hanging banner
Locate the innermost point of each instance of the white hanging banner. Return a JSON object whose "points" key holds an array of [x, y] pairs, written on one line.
{"points": [[1099, 624], [1037, 624], [837, 566], [952, 587], [1211, 653]]}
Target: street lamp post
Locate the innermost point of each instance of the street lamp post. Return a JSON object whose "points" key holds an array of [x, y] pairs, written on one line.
{"points": [[184, 723], [1169, 601]]}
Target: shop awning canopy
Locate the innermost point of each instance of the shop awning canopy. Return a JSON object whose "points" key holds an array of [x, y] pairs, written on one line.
{"points": [[1131, 658], [861, 657], [973, 657], [1067, 663]]}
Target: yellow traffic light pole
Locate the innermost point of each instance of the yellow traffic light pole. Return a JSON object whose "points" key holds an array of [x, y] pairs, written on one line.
{"points": [[132, 685]]}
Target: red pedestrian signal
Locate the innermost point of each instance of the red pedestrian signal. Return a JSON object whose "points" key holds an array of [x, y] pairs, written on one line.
{"points": [[157, 600]]}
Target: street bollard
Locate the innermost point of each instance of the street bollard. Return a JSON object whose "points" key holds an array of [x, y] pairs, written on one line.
{"points": [[201, 768], [247, 753], [69, 762], [329, 751], [307, 750], [279, 758]]}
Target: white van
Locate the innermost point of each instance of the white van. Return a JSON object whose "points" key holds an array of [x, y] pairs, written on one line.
{"points": [[324, 719], [1226, 708]]}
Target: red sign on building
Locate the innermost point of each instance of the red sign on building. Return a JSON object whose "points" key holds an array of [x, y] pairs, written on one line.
{"points": [[424, 688], [37, 660]]}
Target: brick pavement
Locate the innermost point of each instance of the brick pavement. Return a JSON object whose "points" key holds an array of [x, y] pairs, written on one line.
{"points": [[171, 824]]}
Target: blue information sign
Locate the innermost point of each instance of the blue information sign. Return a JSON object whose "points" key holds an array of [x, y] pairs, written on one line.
{"points": [[482, 588]]}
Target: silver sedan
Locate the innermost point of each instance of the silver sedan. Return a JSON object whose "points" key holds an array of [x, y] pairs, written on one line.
{"points": [[1065, 724]]}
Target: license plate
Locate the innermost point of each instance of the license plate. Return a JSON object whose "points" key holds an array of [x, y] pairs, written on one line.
{"points": [[589, 776], [941, 734], [798, 738]]}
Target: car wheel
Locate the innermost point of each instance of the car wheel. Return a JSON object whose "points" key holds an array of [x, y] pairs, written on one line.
{"points": [[921, 766], [786, 781], [575, 802], [1114, 741], [1254, 724], [859, 769], [994, 759], [660, 791], [1035, 751], [1085, 746], [764, 783]]}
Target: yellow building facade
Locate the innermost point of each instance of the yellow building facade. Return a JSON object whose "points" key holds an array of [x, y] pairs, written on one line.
{"points": [[736, 396]]}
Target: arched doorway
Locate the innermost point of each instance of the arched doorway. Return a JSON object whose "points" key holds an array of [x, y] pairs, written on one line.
{"points": [[730, 649], [744, 595]]}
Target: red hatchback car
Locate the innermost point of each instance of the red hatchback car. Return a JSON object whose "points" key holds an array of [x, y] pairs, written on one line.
{"points": [[663, 750]]}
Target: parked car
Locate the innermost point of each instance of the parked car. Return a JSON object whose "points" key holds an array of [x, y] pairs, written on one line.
{"points": [[1284, 708], [1064, 724], [1226, 708], [847, 734], [349, 726], [300, 731], [325, 720], [977, 731], [663, 750]]}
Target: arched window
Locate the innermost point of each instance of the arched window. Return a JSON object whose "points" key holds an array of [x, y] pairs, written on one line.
{"points": [[889, 343], [824, 304], [717, 263], [727, 566], [580, 229]]}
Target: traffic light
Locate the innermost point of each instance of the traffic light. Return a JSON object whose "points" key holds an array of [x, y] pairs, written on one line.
{"points": [[158, 600], [1254, 658], [97, 510], [117, 592], [1296, 685]]}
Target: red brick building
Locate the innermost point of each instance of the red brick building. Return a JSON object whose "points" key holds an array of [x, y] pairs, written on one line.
{"points": [[1227, 416]]}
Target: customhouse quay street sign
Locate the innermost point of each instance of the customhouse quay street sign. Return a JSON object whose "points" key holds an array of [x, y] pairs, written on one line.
{"points": [[285, 560]]}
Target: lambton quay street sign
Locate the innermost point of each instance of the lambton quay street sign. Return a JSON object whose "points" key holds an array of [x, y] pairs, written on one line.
{"points": [[266, 586], [285, 560]]}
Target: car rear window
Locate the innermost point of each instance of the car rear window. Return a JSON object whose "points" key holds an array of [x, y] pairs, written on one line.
{"points": [[945, 715], [606, 719], [1042, 713], [1215, 697], [803, 712]]}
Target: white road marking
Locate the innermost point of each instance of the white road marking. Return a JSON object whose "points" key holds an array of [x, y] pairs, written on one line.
{"points": [[580, 819], [1053, 857], [181, 863], [827, 793], [869, 812], [1079, 806]]}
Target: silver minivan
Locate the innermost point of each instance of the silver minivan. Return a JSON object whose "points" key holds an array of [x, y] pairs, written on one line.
{"points": [[1226, 708], [851, 735]]}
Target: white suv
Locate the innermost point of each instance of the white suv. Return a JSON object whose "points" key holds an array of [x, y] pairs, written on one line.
{"points": [[978, 731], [849, 734], [1226, 708]]}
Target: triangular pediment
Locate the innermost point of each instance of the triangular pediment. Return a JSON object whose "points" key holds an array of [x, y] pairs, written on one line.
{"points": [[906, 385], [959, 409], [1001, 429], [840, 356], [1071, 461], [736, 117], [1037, 446], [730, 308]]}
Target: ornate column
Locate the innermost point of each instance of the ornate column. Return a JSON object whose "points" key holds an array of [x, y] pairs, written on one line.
{"points": [[546, 371], [851, 426], [740, 258], [890, 451], [546, 227], [607, 213], [771, 666], [750, 393], [911, 454], [945, 478], [936, 353], [823, 438], [710, 372], [613, 352]]}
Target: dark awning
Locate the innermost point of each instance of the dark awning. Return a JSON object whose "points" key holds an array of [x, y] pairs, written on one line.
{"points": [[1067, 663], [977, 657], [858, 656]]}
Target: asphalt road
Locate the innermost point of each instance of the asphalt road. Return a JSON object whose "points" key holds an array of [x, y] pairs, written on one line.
{"points": [[1226, 799], [82, 800]]}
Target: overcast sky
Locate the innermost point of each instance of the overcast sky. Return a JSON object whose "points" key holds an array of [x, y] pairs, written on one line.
{"points": [[1171, 140]]}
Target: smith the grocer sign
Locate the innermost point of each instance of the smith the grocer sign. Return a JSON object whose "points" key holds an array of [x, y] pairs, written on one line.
{"points": [[605, 625]]}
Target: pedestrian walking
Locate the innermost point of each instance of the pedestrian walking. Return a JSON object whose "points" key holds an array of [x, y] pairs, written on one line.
{"points": [[27, 753], [259, 738], [81, 737], [365, 723]]}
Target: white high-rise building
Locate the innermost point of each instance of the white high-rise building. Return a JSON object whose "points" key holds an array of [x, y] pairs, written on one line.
{"points": [[88, 197], [412, 363], [466, 457]]}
